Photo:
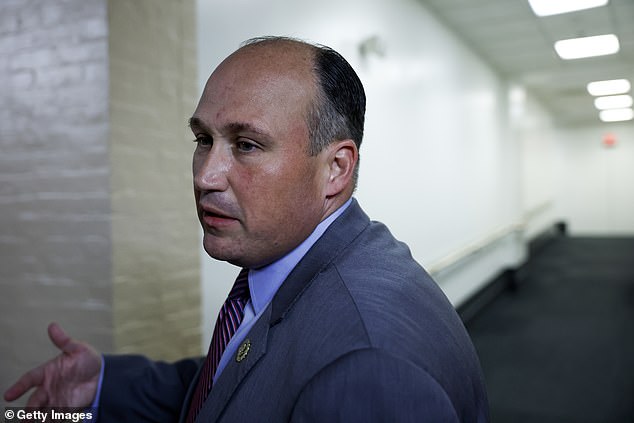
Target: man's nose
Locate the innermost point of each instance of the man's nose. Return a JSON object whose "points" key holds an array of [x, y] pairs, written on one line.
{"points": [[210, 169]]}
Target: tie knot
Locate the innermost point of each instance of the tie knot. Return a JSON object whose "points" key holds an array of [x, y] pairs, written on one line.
{"points": [[240, 288]]}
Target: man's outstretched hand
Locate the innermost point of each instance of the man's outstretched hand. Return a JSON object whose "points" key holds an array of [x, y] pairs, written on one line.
{"points": [[68, 380]]}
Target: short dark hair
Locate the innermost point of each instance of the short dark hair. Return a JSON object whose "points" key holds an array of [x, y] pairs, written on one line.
{"points": [[338, 112]]}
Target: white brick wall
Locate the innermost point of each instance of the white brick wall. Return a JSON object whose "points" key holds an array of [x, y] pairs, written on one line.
{"points": [[55, 252], [94, 97]]}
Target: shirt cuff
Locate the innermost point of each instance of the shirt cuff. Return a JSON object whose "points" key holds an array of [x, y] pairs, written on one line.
{"points": [[95, 402]]}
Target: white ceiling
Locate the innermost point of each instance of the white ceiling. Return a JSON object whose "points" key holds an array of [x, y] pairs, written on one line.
{"points": [[519, 45]]}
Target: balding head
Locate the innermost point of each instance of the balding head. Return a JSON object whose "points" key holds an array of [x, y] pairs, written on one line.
{"points": [[338, 108], [273, 156]]}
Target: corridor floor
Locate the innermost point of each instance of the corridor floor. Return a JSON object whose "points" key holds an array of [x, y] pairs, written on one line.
{"points": [[560, 348]]}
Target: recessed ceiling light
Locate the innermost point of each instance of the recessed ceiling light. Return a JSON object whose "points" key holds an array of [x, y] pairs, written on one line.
{"points": [[613, 102], [551, 7], [616, 115], [609, 87], [577, 48]]}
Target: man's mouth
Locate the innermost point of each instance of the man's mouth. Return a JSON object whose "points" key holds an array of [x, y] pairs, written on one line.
{"points": [[216, 218]]}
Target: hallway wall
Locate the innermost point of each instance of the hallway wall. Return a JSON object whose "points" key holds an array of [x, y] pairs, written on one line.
{"points": [[55, 250], [154, 225], [98, 229], [596, 183], [440, 163]]}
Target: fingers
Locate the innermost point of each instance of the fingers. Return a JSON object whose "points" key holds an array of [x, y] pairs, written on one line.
{"points": [[28, 380], [38, 399], [12, 393], [61, 339]]}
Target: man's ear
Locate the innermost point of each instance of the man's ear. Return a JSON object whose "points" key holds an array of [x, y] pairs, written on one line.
{"points": [[342, 159]]}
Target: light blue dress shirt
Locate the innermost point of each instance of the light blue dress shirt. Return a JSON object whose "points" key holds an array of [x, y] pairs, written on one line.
{"points": [[264, 283]]}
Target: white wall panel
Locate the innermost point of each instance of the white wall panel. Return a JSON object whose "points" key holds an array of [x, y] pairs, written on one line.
{"points": [[596, 184], [534, 131], [438, 164]]}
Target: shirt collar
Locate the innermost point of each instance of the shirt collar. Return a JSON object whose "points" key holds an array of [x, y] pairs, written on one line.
{"points": [[265, 281]]}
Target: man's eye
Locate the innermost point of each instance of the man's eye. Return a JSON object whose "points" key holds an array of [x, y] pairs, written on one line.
{"points": [[204, 141], [245, 146]]}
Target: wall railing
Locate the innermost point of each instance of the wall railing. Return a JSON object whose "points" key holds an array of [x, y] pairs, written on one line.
{"points": [[468, 251]]}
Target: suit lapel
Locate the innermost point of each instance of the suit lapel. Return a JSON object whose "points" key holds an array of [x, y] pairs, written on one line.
{"points": [[337, 238], [235, 371]]}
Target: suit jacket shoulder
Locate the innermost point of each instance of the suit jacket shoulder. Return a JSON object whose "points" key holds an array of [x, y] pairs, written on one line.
{"points": [[354, 304]]}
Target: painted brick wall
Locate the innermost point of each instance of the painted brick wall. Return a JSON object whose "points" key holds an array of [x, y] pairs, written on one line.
{"points": [[55, 251], [97, 222], [154, 228]]}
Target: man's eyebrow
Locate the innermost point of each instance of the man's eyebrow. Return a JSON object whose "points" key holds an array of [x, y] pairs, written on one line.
{"points": [[236, 127], [231, 127], [196, 122]]}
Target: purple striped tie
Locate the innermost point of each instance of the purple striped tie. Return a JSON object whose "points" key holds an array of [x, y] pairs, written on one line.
{"points": [[229, 319]]}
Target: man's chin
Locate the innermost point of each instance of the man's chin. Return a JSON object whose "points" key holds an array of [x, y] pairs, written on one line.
{"points": [[219, 250]]}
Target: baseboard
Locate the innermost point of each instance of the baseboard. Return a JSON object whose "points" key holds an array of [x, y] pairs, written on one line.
{"points": [[540, 241], [509, 279], [487, 294]]}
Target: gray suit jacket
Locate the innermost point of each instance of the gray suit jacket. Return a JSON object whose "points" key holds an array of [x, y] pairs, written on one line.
{"points": [[358, 332]]}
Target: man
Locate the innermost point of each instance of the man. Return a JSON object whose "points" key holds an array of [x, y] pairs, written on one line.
{"points": [[339, 323]]}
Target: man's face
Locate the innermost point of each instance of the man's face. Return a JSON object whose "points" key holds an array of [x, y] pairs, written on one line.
{"points": [[258, 191]]}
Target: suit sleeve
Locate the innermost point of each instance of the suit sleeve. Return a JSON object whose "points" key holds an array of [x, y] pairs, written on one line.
{"points": [[136, 389], [372, 386]]}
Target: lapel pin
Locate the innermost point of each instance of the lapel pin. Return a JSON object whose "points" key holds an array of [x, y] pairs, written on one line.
{"points": [[243, 350]]}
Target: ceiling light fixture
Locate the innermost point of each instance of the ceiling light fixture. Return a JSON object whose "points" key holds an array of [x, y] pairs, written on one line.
{"points": [[613, 102], [616, 115], [550, 7], [578, 48], [609, 87]]}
